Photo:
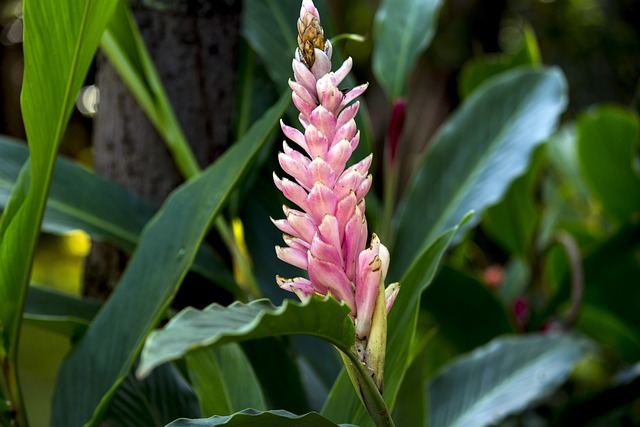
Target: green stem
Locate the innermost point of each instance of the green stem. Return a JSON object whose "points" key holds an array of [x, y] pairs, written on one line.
{"points": [[367, 390], [10, 372]]}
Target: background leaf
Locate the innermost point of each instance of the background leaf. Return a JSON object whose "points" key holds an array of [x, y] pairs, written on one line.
{"points": [[60, 40], [608, 141], [476, 154], [169, 244], [224, 380], [155, 401], [501, 378], [402, 31], [192, 329]]}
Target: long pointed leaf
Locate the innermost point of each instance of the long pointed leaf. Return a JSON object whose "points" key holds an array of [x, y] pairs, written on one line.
{"points": [[216, 325], [60, 39], [102, 359], [501, 378], [476, 154], [403, 29]]}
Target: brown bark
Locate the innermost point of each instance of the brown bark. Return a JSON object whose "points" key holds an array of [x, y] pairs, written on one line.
{"points": [[195, 55]]}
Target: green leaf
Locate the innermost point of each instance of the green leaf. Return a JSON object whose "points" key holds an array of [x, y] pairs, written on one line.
{"points": [[192, 329], [102, 359], [251, 417], [59, 312], [402, 31], [472, 301], [157, 400], [502, 378], [476, 154], [80, 199], [476, 71], [343, 402], [125, 48], [608, 140], [512, 222], [224, 380], [60, 40]]}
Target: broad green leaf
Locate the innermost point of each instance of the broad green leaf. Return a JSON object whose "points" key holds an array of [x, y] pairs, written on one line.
{"points": [[343, 403], [80, 199], [59, 312], [251, 417], [512, 222], [125, 48], [60, 40], [502, 378], [402, 31], [224, 380], [608, 141], [612, 333], [476, 154], [155, 401], [192, 329], [102, 359], [472, 301], [477, 71]]}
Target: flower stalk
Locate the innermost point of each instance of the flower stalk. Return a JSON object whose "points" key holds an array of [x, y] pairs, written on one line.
{"points": [[327, 235]]}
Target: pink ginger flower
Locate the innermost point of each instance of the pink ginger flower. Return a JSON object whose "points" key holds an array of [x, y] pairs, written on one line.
{"points": [[328, 235]]}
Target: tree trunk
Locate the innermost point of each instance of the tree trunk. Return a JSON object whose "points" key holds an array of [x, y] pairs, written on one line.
{"points": [[195, 53]]}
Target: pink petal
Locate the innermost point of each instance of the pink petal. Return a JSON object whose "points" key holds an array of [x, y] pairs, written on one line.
{"points": [[367, 286], [295, 243], [316, 141], [354, 93], [322, 64], [341, 73], [346, 131], [345, 209], [355, 236], [354, 141], [304, 120], [325, 275], [338, 155], [325, 251], [292, 256], [320, 202], [329, 95], [302, 106], [320, 170], [348, 113], [304, 76], [324, 121], [302, 224], [303, 93], [296, 169], [294, 135], [299, 285], [390, 294], [364, 187], [284, 226], [292, 191], [330, 232]]}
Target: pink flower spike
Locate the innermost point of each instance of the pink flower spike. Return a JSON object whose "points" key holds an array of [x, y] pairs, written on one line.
{"points": [[390, 295], [294, 135], [304, 76], [321, 201], [348, 113], [333, 278], [354, 93], [300, 286], [292, 256], [341, 73]]}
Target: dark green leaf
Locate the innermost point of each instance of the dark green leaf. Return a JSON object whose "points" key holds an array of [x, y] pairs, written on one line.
{"points": [[80, 199], [155, 401], [102, 359], [608, 141], [60, 40], [192, 329], [476, 154], [402, 31], [224, 380], [253, 418], [502, 378]]}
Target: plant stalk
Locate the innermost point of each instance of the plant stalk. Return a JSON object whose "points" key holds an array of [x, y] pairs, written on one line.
{"points": [[16, 401]]}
